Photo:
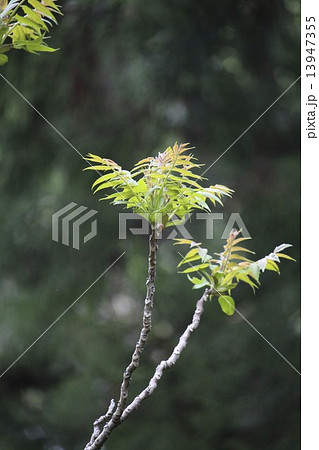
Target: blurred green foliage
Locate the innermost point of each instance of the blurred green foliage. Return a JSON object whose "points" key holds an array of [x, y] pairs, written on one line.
{"points": [[131, 78]]}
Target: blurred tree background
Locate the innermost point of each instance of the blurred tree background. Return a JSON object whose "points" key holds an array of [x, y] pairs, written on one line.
{"points": [[132, 77]]}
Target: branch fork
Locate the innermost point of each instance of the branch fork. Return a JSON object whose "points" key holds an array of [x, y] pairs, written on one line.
{"points": [[117, 415]]}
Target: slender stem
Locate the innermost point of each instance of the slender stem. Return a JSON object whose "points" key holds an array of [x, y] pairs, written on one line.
{"points": [[147, 324], [5, 47], [97, 440], [4, 37], [171, 360], [13, 11]]}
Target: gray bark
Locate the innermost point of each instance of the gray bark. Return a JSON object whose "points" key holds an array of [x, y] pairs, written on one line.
{"points": [[171, 360], [98, 438]]}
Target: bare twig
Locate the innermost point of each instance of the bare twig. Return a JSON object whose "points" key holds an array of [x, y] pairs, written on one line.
{"points": [[99, 421], [171, 360], [99, 437]]}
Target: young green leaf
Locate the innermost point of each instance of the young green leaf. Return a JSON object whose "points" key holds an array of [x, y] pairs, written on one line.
{"points": [[226, 272], [227, 304], [195, 268], [3, 59], [164, 185], [282, 255], [198, 282]]}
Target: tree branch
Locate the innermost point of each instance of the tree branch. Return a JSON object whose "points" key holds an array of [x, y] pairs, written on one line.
{"points": [[99, 421], [171, 360], [99, 437]]}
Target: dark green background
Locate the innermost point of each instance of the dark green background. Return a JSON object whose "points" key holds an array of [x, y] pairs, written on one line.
{"points": [[132, 77]]}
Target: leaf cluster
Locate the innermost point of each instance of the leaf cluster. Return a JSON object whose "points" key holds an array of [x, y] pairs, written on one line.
{"points": [[224, 271], [25, 24], [158, 188]]}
